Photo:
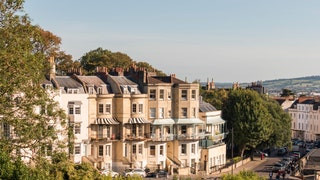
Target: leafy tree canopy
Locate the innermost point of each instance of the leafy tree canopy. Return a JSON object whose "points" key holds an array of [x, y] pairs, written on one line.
{"points": [[214, 97], [106, 58], [248, 118], [286, 93], [23, 65]]}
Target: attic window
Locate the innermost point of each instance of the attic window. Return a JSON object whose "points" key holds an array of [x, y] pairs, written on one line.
{"points": [[99, 90], [72, 91], [91, 90], [124, 89]]}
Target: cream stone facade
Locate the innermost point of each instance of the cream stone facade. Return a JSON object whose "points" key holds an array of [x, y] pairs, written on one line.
{"points": [[137, 119]]}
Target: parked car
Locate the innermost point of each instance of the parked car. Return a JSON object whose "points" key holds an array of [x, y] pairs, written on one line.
{"points": [[132, 172], [158, 174], [278, 167], [109, 172], [287, 159], [281, 152]]}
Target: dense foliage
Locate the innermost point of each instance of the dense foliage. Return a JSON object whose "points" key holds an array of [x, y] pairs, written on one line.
{"points": [[106, 58], [32, 124], [255, 121], [248, 118], [214, 97], [243, 175]]}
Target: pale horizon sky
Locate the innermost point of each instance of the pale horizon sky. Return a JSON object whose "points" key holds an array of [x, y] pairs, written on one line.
{"points": [[223, 40]]}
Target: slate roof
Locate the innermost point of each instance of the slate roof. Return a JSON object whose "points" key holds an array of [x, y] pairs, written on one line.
{"points": [[165, 79], [315, 104], [122, 80], [91, 80], [206, 107], [68, 82]]}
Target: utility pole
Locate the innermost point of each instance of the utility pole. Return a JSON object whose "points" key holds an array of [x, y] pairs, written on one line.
{"points": [[232, 150]]}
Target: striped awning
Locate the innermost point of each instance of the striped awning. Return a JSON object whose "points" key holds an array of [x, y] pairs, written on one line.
{"points": [[138, 121], [189, 121], [163, 122], [107, 121], [215, 120]]}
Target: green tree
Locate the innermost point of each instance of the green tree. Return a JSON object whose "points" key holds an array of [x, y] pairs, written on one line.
{"points": [[106, 58], [281, 125], [149, 68], [23, 68], [64, 63], [286, 93], [96, 58], [248, 118], [214, 97], [243, 175]]}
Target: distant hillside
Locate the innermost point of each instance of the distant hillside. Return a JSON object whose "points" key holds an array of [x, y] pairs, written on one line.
{"points": [[298, 85], [301, 84]]}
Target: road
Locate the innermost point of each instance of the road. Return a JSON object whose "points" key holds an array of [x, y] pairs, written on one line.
{"points": [[264, 168]]}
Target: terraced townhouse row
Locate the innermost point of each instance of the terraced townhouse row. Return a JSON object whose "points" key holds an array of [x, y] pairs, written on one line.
{"points": [[134, 118]]}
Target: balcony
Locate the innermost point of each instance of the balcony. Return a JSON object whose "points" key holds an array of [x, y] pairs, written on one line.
{"points": [[212, 141], [157, 137], [189, 136], [100, 136], [138, 137]]}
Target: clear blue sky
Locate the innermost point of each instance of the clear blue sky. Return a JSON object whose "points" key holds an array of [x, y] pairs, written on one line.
{"points": [[223, 40]]}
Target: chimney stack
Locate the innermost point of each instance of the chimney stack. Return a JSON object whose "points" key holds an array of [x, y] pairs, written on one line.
{"points": [[52, 73]]}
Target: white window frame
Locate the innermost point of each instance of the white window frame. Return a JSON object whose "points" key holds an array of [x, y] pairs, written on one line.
{"points": [[153, 94], [108, 108], [100, 150], [183, 148], [77, 110], [134, 108], [161, 150], [152, 112], [100, 108], [161, 113], [108, 150], [193, 148], [140, 108], [77, 128], [184, 94], [194, 94], [77, 149], [161, 94], [184, 112], [152, 150]]}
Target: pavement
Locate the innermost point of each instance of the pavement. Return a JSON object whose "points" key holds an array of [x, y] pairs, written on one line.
{"points": [[245, 167], [250, 165]]}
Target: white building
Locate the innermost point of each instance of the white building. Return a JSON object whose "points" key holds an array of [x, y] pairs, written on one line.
{"points": [[305, 114]]}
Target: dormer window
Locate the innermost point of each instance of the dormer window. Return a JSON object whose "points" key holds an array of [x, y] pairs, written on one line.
{"points": [[133, 90], [72, 91], [124, 89], [99, 90], [91, 90]]}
